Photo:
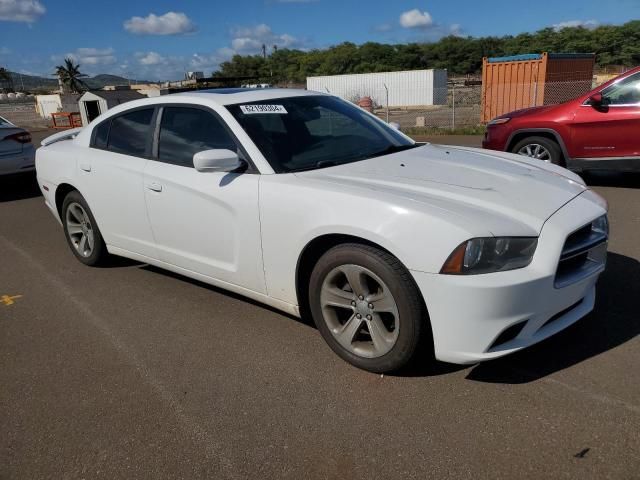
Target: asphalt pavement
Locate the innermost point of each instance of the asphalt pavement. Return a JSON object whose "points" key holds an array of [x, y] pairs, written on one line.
{"points": [[131, 372]]}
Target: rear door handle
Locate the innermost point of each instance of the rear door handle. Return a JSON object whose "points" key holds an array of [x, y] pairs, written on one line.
{"points": [[85, 166], [156, 187]]}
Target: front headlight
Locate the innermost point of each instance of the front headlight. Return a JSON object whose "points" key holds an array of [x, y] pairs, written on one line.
{"points": [[490, 254], [498, 121]]}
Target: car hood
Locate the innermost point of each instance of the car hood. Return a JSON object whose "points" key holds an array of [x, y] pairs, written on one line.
{"points": [[528, 111], [494, 189]]}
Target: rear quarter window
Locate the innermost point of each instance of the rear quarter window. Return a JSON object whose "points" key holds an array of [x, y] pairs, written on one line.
{"points": [[101, 135]]}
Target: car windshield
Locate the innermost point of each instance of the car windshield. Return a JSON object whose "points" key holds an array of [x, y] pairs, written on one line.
{"points": [[309, 132]]}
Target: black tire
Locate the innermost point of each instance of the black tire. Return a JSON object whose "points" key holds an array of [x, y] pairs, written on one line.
{"points": [[412, 316], [550, 145], [99, 252]]}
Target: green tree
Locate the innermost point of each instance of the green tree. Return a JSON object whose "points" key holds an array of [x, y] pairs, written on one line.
{"points": [[612, 44]]}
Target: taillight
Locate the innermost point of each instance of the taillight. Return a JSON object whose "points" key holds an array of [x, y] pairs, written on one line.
{"points": [[21, 137]]}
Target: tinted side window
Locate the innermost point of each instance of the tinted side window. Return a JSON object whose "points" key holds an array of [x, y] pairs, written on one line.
{"points": [[186, 131], [131, 132], [101, 134], [625, 92]]}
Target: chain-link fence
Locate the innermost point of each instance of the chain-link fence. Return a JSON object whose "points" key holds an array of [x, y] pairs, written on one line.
{"points": [[464, 105], [455, 107]]}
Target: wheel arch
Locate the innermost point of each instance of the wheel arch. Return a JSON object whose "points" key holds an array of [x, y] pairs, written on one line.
{"points": [[62, 191], [549, 133], [317, 247]]}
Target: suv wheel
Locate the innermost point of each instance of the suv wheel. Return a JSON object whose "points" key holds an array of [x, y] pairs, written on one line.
{"points": [[540, 148]]}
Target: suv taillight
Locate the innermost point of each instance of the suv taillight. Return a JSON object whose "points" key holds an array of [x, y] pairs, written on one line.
{"points": [[21, 137]]}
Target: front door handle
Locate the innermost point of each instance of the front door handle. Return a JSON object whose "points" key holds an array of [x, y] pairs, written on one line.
{"points": [[156, 187], [85, 166]]}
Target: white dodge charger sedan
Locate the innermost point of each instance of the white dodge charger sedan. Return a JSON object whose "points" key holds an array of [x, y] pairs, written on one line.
{"points": [[309, 204]]}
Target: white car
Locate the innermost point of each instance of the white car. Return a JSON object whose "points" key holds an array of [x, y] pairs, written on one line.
{"points": [[17, 154], [309, 204]]}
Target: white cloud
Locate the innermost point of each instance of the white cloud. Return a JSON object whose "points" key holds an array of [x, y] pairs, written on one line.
{"points": [[455, 29], [590, 24], [5, 51], [150, 58], [171, 23], [251, 39], [93, 56], [21, 10], [415, 19]]}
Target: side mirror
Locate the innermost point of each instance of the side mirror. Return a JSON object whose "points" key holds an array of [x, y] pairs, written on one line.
{"points": [[394, 125], [596, 100], [218, 160]]}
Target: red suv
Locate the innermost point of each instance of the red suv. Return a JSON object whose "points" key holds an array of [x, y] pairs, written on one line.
{"points": [[599, 130]]}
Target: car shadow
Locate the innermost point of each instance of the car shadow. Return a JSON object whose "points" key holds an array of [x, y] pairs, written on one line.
{"points": [[613, 322], [19, 187], [304, 320], [612, 179]]}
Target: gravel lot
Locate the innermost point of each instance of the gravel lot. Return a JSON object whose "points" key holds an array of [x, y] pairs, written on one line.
{"points": [[132, 372]]}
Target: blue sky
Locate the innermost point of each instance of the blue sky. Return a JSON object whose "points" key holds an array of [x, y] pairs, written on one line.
{"points": [[160, 39]]}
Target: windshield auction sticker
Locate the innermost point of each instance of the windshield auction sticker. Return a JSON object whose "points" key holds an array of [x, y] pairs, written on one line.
{"points": [[250, 109]]}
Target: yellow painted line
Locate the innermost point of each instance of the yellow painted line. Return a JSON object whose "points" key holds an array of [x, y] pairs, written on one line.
{"points": [[9, 299]]}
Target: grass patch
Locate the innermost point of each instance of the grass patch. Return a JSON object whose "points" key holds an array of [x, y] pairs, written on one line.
{"points": [[433, 131]]}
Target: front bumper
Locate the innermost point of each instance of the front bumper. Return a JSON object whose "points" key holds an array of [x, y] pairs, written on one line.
{"points": [[495, 138], [468, 313]]}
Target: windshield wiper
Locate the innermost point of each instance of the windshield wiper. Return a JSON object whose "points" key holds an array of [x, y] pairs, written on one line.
{"points": [[393, 149], [332, 163], [313, 166]]}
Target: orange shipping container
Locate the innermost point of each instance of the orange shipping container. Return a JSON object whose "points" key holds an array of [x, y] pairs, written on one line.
{"points": [[530, 80]]}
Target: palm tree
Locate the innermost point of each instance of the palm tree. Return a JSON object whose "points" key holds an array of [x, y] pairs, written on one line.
{"points": [[69, 77]]}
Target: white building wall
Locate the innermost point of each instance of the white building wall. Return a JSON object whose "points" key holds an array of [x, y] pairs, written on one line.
{"points": [[413, 88]]}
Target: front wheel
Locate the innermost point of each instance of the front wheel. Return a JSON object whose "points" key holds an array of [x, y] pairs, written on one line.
{"points": [[540, 148], [367, 307]]}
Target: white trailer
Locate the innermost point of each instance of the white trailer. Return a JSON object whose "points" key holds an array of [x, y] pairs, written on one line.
{"points": [[412, 88]]}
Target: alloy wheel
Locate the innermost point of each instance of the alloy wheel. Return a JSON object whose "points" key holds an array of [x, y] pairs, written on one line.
{"points": [[360, 311], [535, 150], [79, 229]]}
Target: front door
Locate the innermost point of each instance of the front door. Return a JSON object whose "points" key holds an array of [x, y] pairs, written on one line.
{"points": [[204, 222], [609, 130]]}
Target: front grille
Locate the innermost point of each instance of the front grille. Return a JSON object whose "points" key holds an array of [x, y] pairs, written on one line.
{"points": [[584, 254]]}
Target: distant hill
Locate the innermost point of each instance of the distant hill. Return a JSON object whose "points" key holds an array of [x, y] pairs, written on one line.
{"points": [[34, 83]]}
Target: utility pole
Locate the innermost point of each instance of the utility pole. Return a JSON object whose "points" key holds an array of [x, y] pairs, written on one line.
{"points": [[387, 91], [264, 51]]}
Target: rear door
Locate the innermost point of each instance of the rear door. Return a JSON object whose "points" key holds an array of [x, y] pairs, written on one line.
{"points": [[610, 130], [111, 179], [204, 222]]}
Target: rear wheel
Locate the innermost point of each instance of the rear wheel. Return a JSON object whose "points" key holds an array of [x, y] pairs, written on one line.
{"points": [[540, 148], [81, 231], [367, 307]]}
